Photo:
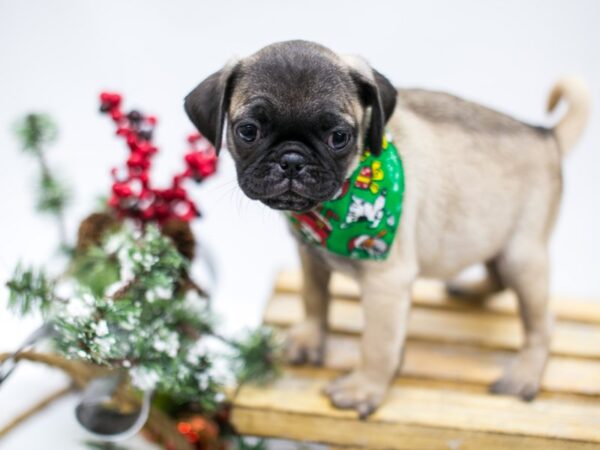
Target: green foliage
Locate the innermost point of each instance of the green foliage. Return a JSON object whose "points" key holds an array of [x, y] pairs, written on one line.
{"points": [[96, 269], [255, 356], [36, 131], [53, 195], [153, 261], [30, 291], [129, 312], [127, 309]]}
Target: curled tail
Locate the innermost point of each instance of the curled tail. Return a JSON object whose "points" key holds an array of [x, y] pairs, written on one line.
{"points": [[575, 92]]}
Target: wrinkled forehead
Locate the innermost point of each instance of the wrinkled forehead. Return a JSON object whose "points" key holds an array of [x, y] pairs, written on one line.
{"points": [[294, 85]]}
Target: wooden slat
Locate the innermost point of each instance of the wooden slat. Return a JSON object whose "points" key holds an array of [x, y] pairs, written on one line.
{"points": [[473, 327], [454, 350], [467, 364], [428, 293], [415, 417]]}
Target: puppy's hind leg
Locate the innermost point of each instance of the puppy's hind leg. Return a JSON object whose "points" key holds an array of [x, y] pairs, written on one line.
{"points": [[477, 290], [524, 268]]}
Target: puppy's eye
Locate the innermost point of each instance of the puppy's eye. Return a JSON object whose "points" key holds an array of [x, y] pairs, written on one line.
{"points": [[338, 140], [248, 132]]}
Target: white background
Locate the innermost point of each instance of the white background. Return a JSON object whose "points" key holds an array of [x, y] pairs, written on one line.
{"points": [[56, 56]]}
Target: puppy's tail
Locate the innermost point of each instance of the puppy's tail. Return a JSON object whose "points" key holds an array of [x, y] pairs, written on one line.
{"points": [[577, 96]]}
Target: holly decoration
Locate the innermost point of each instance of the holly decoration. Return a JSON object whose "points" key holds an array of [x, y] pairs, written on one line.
{"points": [[133, 193], [126, 302]]}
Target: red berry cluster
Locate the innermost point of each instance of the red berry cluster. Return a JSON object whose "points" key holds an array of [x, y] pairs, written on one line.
{"points": [[133, 195], [201, 432]]}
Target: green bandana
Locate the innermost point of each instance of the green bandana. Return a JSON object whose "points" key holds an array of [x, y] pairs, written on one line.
{"points": [[361, 221]]}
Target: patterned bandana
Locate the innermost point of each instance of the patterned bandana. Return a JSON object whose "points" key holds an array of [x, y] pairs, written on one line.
{"points": [[361, 221]]}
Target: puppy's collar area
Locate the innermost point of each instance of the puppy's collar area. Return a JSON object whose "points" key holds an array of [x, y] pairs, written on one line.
{"points": [[362, 220]]}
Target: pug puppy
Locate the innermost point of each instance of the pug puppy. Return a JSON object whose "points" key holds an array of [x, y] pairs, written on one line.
{"points": [[481, 188]]}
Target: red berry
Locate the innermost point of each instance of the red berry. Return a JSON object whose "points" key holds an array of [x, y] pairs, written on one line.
{"points": [[123, 131], [132, 194], [122, 190], [144, 178], [116, 115], [148, 213]]}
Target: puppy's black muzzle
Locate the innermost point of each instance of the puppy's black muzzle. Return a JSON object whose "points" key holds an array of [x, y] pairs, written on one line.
{"points": [[292, 163], [290, 177]]}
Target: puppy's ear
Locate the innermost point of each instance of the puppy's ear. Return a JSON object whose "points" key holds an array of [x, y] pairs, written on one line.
{"points": [[380, 95], [207, 104]]}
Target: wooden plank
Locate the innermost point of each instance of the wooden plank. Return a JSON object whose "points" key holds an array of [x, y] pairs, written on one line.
{"points": [[347, 435], [454, 351], [467, 364], [431, 294], [415, 417], [473, 327]]}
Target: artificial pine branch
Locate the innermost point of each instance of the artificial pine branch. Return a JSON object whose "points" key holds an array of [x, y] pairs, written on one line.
{"points": [[53, 196], [128, 310], [255, 356], [36, 132], [30, 290]]}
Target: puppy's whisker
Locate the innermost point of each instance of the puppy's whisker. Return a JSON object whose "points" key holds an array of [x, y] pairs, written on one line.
{"points": [[232, 189], [226, 184]]}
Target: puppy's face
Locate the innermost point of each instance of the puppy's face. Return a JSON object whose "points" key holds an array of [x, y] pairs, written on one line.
{"points": [[298, 116]]}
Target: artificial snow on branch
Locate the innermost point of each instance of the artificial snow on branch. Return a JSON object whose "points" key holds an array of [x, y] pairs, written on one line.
{"points": [[126, 302]]}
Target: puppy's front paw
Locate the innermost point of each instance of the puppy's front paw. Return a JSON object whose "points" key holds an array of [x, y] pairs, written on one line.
{"points": [[523, 376], [356, 391], [305, 343]]}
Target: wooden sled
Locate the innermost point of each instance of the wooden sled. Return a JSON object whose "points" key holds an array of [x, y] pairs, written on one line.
{"points": [[455, 350]]}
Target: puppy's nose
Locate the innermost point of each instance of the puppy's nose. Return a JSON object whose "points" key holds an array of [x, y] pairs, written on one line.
{"points": [[292, 163]]}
